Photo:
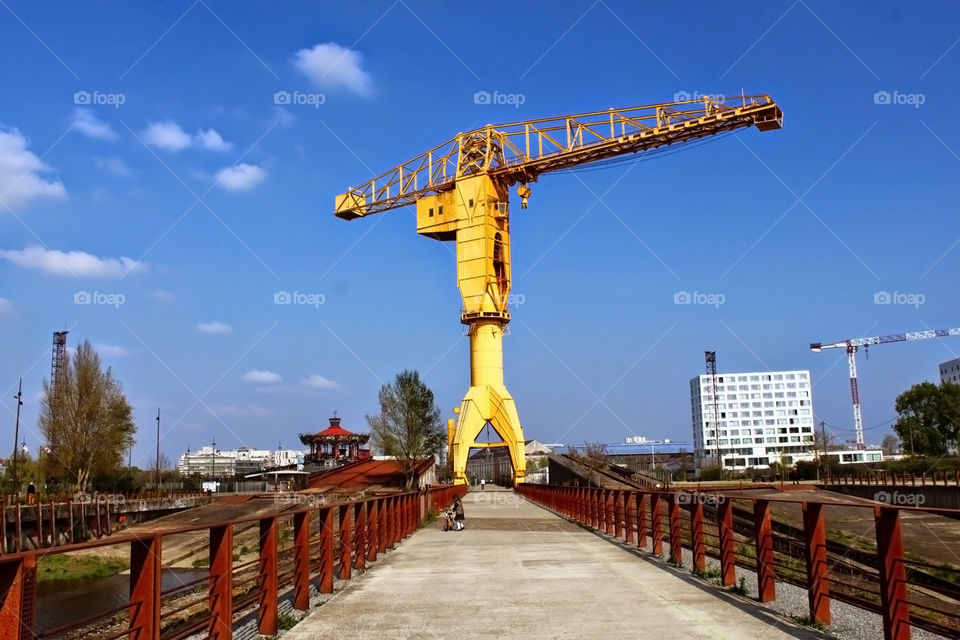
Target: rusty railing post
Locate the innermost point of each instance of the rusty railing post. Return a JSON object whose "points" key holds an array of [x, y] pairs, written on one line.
{"points": [[818, 585], [18, 598], [763, 534], [617, 521], [656, 522], [301, 561], [894, 606], [630, 513], [609, 509], [267, 578], [360, 520], [345, 512], [326, 550], [383, 530], [221, 583], [145, 571], [696, 537], [728, 559], [373, 527], [676, 528], [641, 519]]}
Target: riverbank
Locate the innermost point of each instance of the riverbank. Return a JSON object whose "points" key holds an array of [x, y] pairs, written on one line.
{"points": [[67, 566]]}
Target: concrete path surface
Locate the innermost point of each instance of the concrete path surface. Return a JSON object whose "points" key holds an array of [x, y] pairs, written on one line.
{"points": [[518, 571]]}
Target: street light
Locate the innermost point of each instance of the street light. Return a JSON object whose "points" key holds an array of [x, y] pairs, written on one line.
{"points": [[16, 436]]}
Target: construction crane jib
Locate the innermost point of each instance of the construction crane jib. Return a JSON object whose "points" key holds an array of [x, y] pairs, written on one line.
{"points": [[460, 189], [852, 345]]}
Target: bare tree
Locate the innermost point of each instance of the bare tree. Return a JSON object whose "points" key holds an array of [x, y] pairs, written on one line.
{"points": [[408, 426], [86, 419]]}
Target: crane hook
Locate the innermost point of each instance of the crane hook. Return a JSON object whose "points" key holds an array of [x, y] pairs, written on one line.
{"points": [[524, 192]]}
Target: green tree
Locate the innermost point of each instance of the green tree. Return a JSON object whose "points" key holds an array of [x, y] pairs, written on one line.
{"points": [[408, 426], [86, 420], [890, 445], [929, 418]]}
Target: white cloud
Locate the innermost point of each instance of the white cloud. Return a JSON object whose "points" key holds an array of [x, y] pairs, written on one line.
{"points": [[240, 177], [112, 350], [5, 306], [114, 165], [20, 173], [260, 376], [316, 381], [237, 411], [168, 135], [217, 328], [86, 123], [162, 296], [330, 66], [76, 263]]}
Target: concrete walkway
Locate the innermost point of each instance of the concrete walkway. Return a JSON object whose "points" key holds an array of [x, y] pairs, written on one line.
{"points": [[518, 571]]}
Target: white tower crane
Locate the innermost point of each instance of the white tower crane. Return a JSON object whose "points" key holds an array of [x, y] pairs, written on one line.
{"points": [[853, 344]]}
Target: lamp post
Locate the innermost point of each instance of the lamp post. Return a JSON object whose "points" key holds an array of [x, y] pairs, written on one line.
{"points": [[158, 448], [16, 437]]}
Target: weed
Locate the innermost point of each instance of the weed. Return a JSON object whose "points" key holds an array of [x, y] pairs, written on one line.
{"points": [[741, 587]]}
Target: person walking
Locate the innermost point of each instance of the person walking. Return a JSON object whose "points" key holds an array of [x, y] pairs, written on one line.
{"points": [[483, 484], [457, 514]]}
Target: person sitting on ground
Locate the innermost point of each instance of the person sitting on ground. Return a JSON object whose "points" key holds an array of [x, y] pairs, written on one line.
{"points": [[458, 514]]}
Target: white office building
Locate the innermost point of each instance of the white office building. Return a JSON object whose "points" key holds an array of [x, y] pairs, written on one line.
{"points": [[757, 418], [950, 371]]}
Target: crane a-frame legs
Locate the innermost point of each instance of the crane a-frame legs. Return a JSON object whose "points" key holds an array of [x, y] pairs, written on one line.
{"points": [[487, 402]]}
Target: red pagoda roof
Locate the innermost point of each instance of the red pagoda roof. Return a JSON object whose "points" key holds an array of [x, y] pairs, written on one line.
{"points": [[335, 430]]}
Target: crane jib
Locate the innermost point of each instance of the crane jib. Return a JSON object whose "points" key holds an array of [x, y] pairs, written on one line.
{"points": [[518, 152]]}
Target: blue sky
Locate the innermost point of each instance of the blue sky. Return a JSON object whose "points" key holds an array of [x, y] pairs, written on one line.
{"points": [[184, 198]]}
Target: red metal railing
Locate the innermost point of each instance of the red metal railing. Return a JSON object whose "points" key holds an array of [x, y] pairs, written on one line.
{"points": [[348, 535], [894, 478], [742, 531]]}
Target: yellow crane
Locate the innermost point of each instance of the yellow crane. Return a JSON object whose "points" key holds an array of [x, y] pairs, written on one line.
{"points": [[460, 189]]}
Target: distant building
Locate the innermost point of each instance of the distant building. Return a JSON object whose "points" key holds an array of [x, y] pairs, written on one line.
{"points": [[762, 417], [950, 371], [218, 463], [493, 464]]}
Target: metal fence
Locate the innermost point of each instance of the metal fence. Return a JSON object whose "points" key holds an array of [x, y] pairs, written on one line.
{"points": [[298, 548], [873, 572]]}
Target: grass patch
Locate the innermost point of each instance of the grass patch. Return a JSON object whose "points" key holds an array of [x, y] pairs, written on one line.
{"points": [[71, 567], [807, 621], [201, 563], [740, 588], [429, 520], [286, 621]]}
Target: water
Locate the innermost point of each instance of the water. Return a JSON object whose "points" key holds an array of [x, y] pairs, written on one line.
{"points": [[69, 601]]}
